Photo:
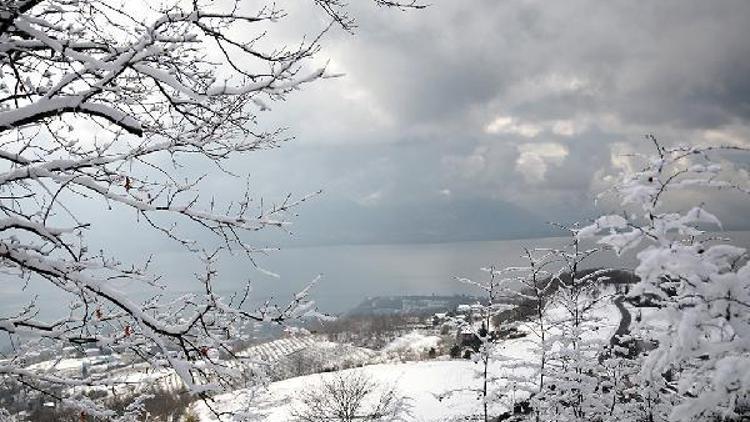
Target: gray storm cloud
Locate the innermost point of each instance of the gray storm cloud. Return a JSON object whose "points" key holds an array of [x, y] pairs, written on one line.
{"points": [[470, 120], [524, 102], [516, 108]]}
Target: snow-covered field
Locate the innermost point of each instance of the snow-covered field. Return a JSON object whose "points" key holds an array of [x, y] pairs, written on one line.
{"points": [[273, 355], [272, 351], [440, 390], [413, 342], [422, 382]]}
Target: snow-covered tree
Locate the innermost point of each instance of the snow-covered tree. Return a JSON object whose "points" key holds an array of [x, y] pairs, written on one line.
{"points": [[531, 288], [576, 389], [699, 283], [535, 285], [486, 332], [101, 102], [552, 298], [351, 397]]}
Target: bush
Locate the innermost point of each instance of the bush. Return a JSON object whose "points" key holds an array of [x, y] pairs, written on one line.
{"points": [[349, 397], [455, 351]]}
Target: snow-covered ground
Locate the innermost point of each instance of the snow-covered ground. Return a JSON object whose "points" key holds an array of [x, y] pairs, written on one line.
{"points": [[413, 342], [66, 364], [422, 382], [134, 378], [440, 390], [272, 351], [426, 383]]}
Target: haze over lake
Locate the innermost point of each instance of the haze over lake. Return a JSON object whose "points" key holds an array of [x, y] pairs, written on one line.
{"points": [[350, 273]]}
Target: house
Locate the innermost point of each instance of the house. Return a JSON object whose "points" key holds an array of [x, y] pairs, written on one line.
{"points": [[439, 318], [465, 335]]}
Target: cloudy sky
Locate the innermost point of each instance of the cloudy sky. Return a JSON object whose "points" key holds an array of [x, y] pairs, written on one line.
{"points": [[470, 120], [486, 118]]}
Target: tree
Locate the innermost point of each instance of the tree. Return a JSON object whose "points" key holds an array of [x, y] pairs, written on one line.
{"points": [[455, 352], [486, 335], [578, 375], [532, 288], [699, 283], [564, 373], [350, 397], [101, 103]]}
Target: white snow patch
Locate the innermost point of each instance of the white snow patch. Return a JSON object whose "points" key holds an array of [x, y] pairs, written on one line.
{"points": [[423, 382], [413, 342]]}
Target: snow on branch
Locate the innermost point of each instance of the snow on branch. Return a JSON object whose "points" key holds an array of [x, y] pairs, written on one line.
{"points": [[699, 283], [103, 104]]}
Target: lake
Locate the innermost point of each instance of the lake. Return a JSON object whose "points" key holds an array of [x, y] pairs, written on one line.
{"points": [[350, 273]]}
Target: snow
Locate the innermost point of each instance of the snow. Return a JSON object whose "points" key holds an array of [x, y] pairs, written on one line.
{"points": [[602, 223], [61, 365], [413, 342], [423, 382], [605, 315], [439, 390], [274, 350]]}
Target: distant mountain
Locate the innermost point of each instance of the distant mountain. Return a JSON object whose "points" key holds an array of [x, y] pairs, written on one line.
{"points": [[439, 220], [394, 305]]}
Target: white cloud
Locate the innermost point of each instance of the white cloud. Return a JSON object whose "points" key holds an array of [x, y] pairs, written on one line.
{"points": [[727, 136], [535, 158], [468, 167], [508, 125], [565, 128], [512, 126], [622, 156]]}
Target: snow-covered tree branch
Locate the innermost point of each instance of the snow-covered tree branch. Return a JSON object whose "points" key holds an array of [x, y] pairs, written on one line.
{"points": [[699, 282], [351, 397], [101, 103]]}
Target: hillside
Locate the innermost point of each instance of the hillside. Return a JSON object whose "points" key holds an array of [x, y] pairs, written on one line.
{"points": [[409, 305], [440, 390]]}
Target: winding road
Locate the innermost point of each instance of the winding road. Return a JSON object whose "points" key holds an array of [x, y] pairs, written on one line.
{"points": [[623, 329]]}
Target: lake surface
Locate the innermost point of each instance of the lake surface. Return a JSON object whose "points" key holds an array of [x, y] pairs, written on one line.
{"points": [[350, 273]]}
